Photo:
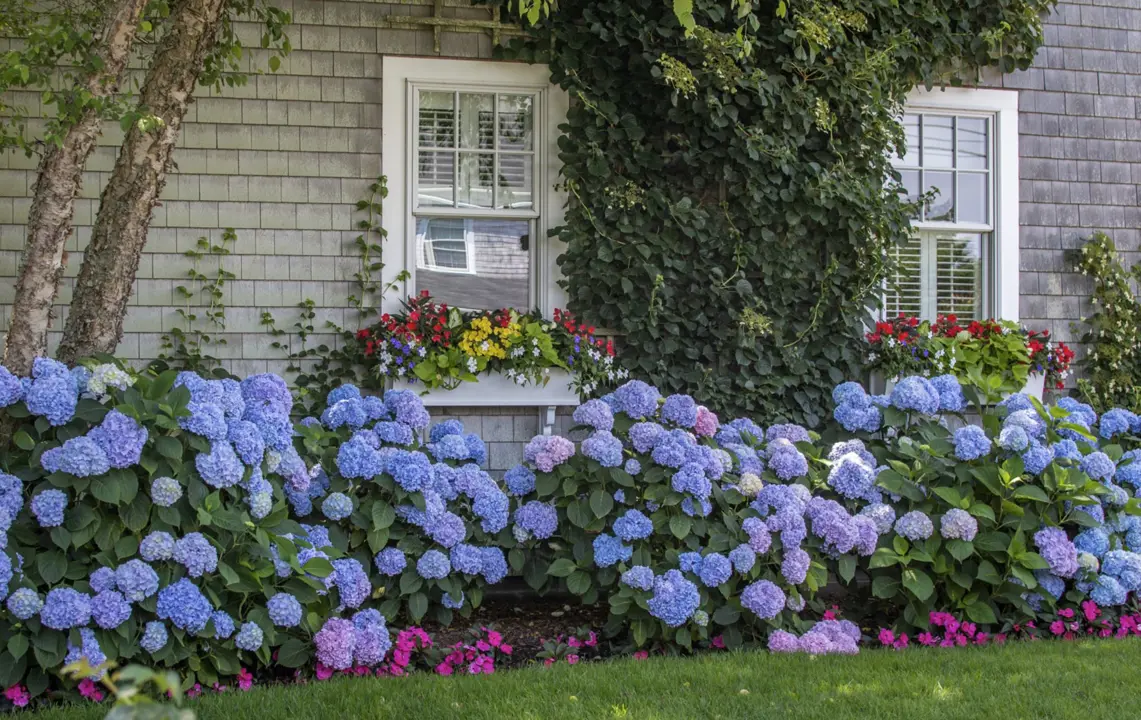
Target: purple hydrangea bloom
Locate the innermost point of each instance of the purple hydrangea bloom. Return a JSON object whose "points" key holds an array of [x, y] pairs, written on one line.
{"points": [[247, 441], [372, 642], [110, 609], [407, 408], [548, 451], [336, 644], [11, 391], [1056, 548], [156, 546], [882, 515], [645, 435], [220, 468], [794, 567], [788, 431], [764, 599], [785, 460], [680, 410], [352, 582], [102, 580], [852, 476]]}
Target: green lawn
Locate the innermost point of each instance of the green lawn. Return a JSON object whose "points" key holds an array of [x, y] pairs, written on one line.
{"points": [[1026, 680]]}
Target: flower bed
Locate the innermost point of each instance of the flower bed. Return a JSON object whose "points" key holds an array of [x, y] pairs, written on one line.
{"points": [[994, 355], [190, 524], [439, 347]]}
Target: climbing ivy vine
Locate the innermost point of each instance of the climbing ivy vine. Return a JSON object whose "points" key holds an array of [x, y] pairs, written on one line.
{"points": [[729, 215]]}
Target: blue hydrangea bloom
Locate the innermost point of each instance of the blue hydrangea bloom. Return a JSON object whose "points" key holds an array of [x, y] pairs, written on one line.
{"points": [[596, 414], [337, 506], [786, 461], [680, 410], [788, 431], [157, 546], [120, 438], [196, 554], [848, 392], [638, 577], [520, 480], [675, 598], [1098, 466], [632, 466], [352, 582], [412, 471], [136, 580], [971, 443], [915, 394], [915, 525], [1037, 457], [11, 495], [958, 524], [950, 393], [65, 608], [223, 625], [88, 650], [433, 565], [637, 399], [494, 565], [359, 459], [48, 507], [11, 390], [1107, 592], [347, 391], [390, 561], [1125, 566], [24, 603], [1117, 421], [644, 436], [716, 569], [852, 476], [609, 550], [79, 456], [249, 638], [603, 447], [219, 468], [349, 413], [1067, 449], [247, 441], [858, 417], [794, 566], [449, 447], [467, 559], [102, 580], [537, 518], [154, 637], [633, 525], [52, 392], [205, 419], [1013, 438], [165, 491], [743, 558], [407, 407], [1094, 541], [445, 428]]}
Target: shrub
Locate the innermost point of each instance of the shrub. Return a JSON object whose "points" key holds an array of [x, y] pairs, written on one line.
{"points": [[155, 518]]}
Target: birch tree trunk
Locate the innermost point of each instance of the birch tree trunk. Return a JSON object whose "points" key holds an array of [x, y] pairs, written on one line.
{"points": [[58, 181], [95, 320]]}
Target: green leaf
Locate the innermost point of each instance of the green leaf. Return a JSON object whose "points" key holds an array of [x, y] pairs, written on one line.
{"points": [[949, 495], [579, 513], [23, 440], [981, 613], [579, 582], [17, 646], [680, 526], [410, 582], [726, 615], [918, 583], [1033, 561], [417, 606], [847, 567], [988, 574], [601, 502], [52, 565], [960, 549], [382, 515], [885, 587], [1031, 492], [883, 557], [105, 489], [992, 541], [169, 448], [562, 567], [318, 567]]}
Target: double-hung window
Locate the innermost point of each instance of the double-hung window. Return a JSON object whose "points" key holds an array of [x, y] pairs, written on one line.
{"points": [[470, 145], [961, 152]]}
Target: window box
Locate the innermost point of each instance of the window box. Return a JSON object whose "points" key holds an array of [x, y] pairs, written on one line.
{"points": [[497, 390]]}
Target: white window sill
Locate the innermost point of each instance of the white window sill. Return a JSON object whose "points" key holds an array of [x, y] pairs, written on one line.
{"points": [[496, 390]]}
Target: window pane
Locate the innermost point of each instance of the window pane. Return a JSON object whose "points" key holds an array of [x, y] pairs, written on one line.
{"points": [[515, 182], [972, 143], [437, 122], [905, 289], [515, 118], [435, 177], [477, 170], [495, 270], [971, 200], [477, 121], [959, 275], [938, 141], [942, 208], [911, 135], [910, 181]]}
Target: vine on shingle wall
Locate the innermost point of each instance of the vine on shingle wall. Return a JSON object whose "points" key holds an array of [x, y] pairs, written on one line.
{"points": [[728, 212]]}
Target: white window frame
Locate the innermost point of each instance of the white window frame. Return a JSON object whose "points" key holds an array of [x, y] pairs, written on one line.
{"points": [[403, 77], [1002, 107]]}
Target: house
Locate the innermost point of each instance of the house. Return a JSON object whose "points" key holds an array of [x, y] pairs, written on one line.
{"points": [[1027, 165]]}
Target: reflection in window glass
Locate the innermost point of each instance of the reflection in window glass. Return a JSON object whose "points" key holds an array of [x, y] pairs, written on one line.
{"points": [[938, 141], [942, 207], [972, 143], [496, 262]]}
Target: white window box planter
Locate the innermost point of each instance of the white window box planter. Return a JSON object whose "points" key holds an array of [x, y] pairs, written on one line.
{"points": [[496, 390], [1035, 385]]}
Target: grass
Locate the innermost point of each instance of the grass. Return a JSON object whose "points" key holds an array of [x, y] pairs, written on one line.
{"points": [[1049, 679]]}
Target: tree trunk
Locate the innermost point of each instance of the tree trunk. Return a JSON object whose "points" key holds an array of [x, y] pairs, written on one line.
{"points": [[58, 181], [95, 320]]}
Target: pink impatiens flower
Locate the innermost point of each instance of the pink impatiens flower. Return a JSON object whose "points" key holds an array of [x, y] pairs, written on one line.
{"points": [[886, 637], [91, 691], [572, 659], [245, 680], [18, 695], [324, 672], [641, 655]]}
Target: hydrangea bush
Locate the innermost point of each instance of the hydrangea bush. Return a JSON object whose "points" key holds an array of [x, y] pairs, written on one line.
{"points": [[189, 522]]}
